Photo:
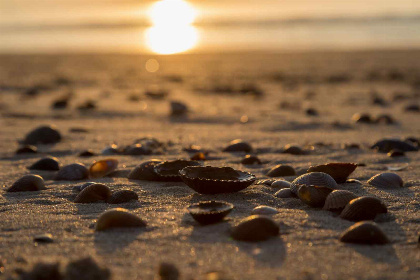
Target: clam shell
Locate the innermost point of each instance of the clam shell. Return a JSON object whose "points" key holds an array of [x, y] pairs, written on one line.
{"points": [[339, 171], [363, 208], [169, 170], [93, 193], [365, 233], [43, 135], [255, 228], [264, 210], [72, 172], [285, 193], [386, 180], [210, 212], [251, 159], [386, 145], [338, 199], [314, 196], [238, 146], [48, 163], [281, 184], [145, 171], [118, 218], [122, 196], [212, 180], [314, 178], [103, 167], [281, 170], [27, 149], [28, 183], [293, 150]]}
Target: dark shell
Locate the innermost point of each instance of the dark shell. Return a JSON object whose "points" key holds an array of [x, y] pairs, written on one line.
{"points": [[314, 196], [339, 171], [80, 188], [169, 170], [386, 145], [103, 167], [43, 135], [285, 193], [210, 212], [27, 149], [361, 118], [293, 150], [28, 183], [168, 271], [122, 196], [212, 180], [413, 140], [384, 119], [145, 171], [364, 233], [72, 172], [111, 150], [178, 108], [93, 193], [48, 163], [386, 180], [118, 218], [137, 150], [314, 178], [281, 170], [238, 146], [255, 228], [198, 156], [311, 112], [44, 238], [363, 208], [338, 199], [396, 153], [251, 159], [87, 153], [412, 108]]}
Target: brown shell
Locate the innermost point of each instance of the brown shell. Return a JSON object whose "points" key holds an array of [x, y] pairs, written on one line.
{"points": [[320, 179], [255, 228], [365, 233], [338, 199], [281, 170], [145, 171], [47, 163], [386, 180], [363, 208], [122, 196], [293, 150], [93, 193], [28, 183], [238, 146], [210, 212], [72, 172], [169, 170], [314, 196], [118, 218], [103, 167], [285, 193], [43, 135], [251, 159], [339, 171]]}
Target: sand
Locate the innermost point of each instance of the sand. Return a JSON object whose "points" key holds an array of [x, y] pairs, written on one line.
{"points": [[337, 85]]}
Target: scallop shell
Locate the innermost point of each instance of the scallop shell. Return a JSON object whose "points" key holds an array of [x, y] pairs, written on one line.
{"points": [[118, 218], [145, 171], [264, 210], [338, 199], [122, 196], [363, 208], [339, 171], [238, 146], [285, 193], [43, 135], [169, 170], [314, 196], [251, 159], [210, 212], [72, 172], [212, 180], [281, 184], [27, 149], [314, 178], [48, 163], [28, 183], [386, 180], [281, 170], [365, 233], [103, 167], [386, 145], [255, 228], [93, 193]]}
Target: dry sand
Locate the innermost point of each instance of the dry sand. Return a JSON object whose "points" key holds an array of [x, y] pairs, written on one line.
{"points": [[308, 245]]}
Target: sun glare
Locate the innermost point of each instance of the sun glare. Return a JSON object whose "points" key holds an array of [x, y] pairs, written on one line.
{"points": [[172, 30]]}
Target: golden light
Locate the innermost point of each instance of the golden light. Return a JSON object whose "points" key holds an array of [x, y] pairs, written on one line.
{"points": [[172, 12]]}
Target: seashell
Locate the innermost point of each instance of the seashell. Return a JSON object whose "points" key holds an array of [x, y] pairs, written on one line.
{"points": [[264, 210], [255, 228], [412, 108], [27, 149], [118, 218], [293, 150], [281, 170], [122, 196], [285, 193], [43, 135], [103, 167], [281, 184], [314, 196], [396, 153], [167, 271], [311, 112], [111, 150], [193, 149], [48, 163], [86, 268], [210, 212], [314, 178], [149, 143], [251, 159], [87, 105], [338, 199], [169, 170], [80, 188], [178, 108], [386, 180], [145, 171], [87, 153], [212, 180], [415, 141], [365, 233], [238, 146], [384, 119], [386, 145], [265, 182], [28, 183], [93, 193], [72, 172], [137, 150], [339, 171], [363, 208], [361, 118], [44, 238], [198, 156]]}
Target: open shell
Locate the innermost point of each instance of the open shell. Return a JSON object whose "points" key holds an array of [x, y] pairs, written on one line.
{"points": [[339, 171], [210, 212], [255, 228], [72, 172], [386, 180], [281, 170], [145, 171], [338, 199], [363, 208], [169, 170], [28, 183], [103, 167], [93, 193], [314, 178], [314, 196], [122, 196], [212, 180], [47, 163], [118, 218], [365, 233]]}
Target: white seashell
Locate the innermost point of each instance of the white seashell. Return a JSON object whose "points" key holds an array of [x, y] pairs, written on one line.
{"points": [[264, 210], [319, 179], [386, 180], [281, 184]]}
